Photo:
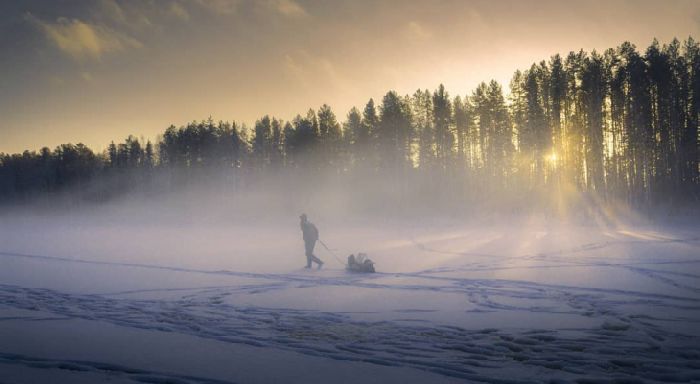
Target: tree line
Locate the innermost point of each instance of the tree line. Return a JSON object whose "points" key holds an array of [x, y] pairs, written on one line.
{"points": [[620, 125]]}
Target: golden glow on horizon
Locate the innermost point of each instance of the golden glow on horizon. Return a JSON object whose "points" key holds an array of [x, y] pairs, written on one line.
{"points": [[116, 67]]}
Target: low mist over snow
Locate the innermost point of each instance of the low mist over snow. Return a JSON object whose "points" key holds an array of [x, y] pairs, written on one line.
{"points": [[154, 295]]}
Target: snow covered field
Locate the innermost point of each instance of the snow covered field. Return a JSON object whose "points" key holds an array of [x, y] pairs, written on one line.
{"points": [[85, 301]]}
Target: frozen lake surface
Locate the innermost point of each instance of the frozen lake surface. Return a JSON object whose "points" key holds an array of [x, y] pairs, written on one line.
{"points": [[91, 301]]}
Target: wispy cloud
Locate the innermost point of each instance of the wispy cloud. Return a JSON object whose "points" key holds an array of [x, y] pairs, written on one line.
{"points": [[417, 31], [83, 40], [179, 11], [310, 70], [112, 10], [134, 15], [221, 7], [288, 8]]}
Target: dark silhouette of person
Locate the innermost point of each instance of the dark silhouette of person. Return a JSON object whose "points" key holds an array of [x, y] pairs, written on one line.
{"points": [[310, 234]]}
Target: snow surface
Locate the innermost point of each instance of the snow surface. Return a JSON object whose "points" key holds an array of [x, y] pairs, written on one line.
{"points": [[85, 301]]}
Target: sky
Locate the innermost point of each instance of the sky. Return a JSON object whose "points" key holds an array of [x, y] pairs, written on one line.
{"points": [[95, 71]]}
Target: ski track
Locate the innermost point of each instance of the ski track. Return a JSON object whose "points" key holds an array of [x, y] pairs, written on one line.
{"points": [[626, 347]]}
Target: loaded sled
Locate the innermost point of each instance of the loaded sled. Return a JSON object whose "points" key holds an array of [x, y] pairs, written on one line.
{"points": [[360, 263]]}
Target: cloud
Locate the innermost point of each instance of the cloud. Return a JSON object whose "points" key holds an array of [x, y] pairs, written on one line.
{"points": [[83, 40], [311, 71], [294, 69], [220, 7], [416, 31], [179, 11], [131, 15], [288, 8], [113, 10]]}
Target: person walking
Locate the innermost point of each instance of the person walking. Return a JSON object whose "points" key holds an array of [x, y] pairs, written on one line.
{"points": [[310, 235]]}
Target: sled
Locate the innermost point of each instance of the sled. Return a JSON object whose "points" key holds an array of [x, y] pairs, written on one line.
{"points": [[360, 264]]}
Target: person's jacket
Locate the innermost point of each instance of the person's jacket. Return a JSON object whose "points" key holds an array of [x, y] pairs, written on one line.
{"points": [[310, 231]]}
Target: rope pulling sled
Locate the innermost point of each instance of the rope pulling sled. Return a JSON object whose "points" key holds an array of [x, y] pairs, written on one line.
{"points": [[360, 263]]}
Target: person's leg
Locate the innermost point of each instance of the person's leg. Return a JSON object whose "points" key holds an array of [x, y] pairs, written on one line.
{"points": [[309, 253], [313, 257]]}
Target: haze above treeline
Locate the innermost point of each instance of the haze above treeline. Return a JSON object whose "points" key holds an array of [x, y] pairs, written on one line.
{"points": [[582, 131]]}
